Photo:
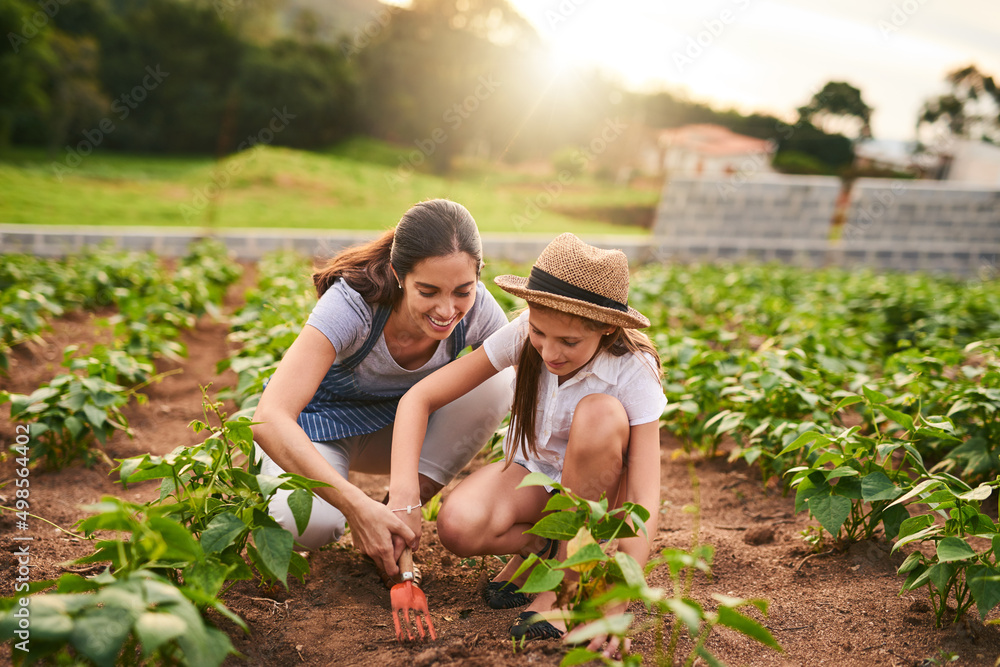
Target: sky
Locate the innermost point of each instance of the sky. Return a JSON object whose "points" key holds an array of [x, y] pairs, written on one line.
{"points": [[771, 56]]}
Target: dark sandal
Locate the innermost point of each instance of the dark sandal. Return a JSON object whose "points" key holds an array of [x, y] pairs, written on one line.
{"points": [[504, 595], [530, 625]]}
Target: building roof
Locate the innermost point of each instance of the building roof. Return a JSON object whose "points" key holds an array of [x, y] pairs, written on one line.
{"points": [[712, 140]]}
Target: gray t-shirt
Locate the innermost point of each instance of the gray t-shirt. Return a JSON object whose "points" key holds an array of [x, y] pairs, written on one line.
{"points": [[345, 318]]}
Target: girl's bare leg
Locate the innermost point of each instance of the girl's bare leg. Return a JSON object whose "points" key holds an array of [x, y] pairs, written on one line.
{"points": [[488, 514], [598, 441]]}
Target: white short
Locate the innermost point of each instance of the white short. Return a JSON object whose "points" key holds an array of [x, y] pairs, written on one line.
{"points": [[455, 434]]}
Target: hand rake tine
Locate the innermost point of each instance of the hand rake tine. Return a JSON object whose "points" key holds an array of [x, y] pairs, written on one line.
{"points": [[420, 626], [399, 630], [430, 625], [409, 626]]}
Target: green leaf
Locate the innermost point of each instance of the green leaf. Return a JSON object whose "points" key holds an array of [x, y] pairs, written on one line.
{"points": [[842, 471], [274, 546], [559, 502], [221, 532], [733, 619], [892, 519], [47, 624], [579, 656], [207, 575], [616, 625], [800, 442], [984, 583], [558, 525], [709, 659], [925, 485], [848, 400], [911, 563], [831, 511], [95, 415], [954, 548], [542, 578], [941, 575], [874, 396], [539, 479], [268, 484], [878, 486], [155, 629], [99, 634], [630, 569], [981, 492], [903, 420], [589, 553], [688, 612], [300, 502]]}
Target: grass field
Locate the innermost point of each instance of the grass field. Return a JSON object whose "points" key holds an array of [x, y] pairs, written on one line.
{"points": [[359, 185]]}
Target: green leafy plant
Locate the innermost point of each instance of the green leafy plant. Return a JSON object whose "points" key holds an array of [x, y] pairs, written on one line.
{"points": [[850, 479], [137, 619], [602, 581], [67, 414], [207, 489], [956, 570]]}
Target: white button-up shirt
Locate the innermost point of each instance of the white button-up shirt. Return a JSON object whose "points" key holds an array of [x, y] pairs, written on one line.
{"points": [[630, 378]]}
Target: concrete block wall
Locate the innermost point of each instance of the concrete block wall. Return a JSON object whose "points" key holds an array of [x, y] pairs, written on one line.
{"points": [[920, 211], [765, 207]]}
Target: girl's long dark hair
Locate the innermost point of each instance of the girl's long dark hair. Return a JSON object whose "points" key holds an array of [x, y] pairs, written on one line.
{"points": [[521, 434], [433, 228]]}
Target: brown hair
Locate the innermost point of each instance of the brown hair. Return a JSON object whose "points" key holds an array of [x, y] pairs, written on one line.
{"points": [[433, 228], [619, 342]]}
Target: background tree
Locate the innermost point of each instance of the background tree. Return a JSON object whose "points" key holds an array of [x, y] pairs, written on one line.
{"points": [[838, 107], [78, 103], [24, 64], [970, 110]]}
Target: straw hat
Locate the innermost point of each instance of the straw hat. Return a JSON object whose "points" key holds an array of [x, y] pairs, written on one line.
{"points": [[576, 278]]}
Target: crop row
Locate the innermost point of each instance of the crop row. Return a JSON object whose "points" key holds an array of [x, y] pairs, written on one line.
{"points": [[153, 305], [875, 397], [173, 558]]}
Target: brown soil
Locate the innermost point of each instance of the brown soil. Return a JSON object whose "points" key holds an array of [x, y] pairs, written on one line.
{"points": [[835, 608]]}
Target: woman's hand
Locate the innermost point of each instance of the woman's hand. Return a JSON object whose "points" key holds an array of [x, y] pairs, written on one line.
{"points": [[380, 533]]}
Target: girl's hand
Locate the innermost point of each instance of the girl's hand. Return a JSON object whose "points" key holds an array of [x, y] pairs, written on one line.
{"points": [[381, 534], [608, 645], [413, 520]]}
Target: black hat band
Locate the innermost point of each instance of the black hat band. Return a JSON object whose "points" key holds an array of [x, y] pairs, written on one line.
{"points": [[541, 281]]}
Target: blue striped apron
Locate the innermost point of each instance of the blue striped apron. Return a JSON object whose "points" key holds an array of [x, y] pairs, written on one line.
{"points": [[339, 409]]}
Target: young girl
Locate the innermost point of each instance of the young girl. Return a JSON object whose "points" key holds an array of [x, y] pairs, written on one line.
{"points": [[389, 313], [587, 403]]}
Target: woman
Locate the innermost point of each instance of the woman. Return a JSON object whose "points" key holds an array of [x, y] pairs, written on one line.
{"points": [[389, 313]]}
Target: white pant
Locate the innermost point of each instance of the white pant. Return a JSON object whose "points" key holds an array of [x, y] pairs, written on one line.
{"points": [[455, 433]]}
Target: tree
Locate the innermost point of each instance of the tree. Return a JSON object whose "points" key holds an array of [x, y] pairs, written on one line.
{"points": [[836, 103], [24, 61], [971, 110], [77, 101]]}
